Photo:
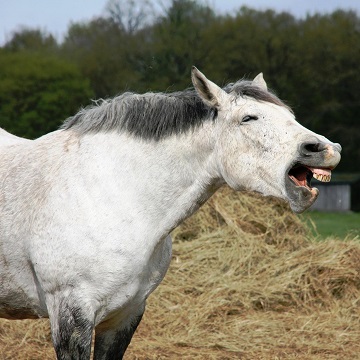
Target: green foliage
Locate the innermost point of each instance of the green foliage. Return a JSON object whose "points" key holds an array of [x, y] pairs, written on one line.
{"points": [[37, 92], [31, 40], [175, 42], [312, 62], [100, 49], [329, 80], [251, 42]]}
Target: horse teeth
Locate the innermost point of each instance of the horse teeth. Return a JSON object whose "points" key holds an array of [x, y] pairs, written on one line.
{"points": [[322, 178]]}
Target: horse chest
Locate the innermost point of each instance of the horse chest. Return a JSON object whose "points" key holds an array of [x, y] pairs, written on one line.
{"points": [[132, 293], [157, 265], [152, 269]]}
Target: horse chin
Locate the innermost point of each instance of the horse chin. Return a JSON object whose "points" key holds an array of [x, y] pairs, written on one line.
{"points": [[300, 198]]}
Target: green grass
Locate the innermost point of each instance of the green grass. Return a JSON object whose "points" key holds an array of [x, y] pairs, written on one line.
{"points": [[327, 224]]}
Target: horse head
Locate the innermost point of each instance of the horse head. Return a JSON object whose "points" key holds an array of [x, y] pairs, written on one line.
{"points": [[261, 147]]}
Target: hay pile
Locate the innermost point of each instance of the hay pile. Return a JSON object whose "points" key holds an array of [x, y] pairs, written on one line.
{"points": [[246, 282]]}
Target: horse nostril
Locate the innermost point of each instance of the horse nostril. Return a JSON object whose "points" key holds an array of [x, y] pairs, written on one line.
{"points": [[309, 148]]}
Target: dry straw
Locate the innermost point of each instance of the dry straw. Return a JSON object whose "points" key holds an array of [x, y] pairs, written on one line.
{"points": [[247, 281]]}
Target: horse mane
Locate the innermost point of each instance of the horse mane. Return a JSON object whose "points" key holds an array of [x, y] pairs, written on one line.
{"points": [[157, 115]]}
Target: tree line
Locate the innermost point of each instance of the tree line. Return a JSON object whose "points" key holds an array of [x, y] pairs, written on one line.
{"points": [[312, 63]]}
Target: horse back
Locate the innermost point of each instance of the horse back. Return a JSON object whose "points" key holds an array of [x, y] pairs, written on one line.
{"points": [[9, 139]]}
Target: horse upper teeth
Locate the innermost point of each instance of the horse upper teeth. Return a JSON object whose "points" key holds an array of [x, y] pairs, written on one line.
{"points": [[323, 178]]}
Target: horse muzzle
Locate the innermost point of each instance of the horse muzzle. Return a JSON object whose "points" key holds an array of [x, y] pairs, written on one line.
{"points": [[315, 159]]}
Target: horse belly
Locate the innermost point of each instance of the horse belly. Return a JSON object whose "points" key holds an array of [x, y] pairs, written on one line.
{"points": [[18, 313], [17, 305], [19, 295]]}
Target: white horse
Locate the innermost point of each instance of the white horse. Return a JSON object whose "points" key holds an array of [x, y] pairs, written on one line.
{"points": [[86, 211], [10, 139]]}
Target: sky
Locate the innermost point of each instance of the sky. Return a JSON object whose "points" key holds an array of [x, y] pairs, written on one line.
{"points": [[54, 16]]}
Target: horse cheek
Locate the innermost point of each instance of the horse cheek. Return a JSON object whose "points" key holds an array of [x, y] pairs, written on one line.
{"points": [[231, 161]]}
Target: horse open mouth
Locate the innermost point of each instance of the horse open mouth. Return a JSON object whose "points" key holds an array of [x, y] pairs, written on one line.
{"points": [[301, 175]]}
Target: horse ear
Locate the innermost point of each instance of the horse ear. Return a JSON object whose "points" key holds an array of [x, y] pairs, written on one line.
{"points": [[260, 82], [210, 93]]}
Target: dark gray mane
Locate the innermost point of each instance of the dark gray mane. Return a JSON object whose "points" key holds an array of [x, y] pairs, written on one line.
{"points": [[156, 115], [245, 88]]}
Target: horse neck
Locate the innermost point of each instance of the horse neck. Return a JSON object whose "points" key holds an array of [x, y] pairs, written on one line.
{"points": [[165, 181]]}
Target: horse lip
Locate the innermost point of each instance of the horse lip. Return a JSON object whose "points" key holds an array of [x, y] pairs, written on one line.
{"points": [[299, 197]]}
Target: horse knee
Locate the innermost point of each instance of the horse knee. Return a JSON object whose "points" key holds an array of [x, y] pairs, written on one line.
{"points": [[112, 342], [71, 331]]}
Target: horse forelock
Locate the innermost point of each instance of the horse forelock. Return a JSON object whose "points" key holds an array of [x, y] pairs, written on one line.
{"points": [[156, 115], [245, 88]]}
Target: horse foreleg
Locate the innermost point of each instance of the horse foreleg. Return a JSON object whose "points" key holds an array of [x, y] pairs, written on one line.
{"points": [[112, 342], [71, 329]]}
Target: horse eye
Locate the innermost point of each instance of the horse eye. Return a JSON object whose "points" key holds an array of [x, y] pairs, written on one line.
{"points": [[248, 118]]}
